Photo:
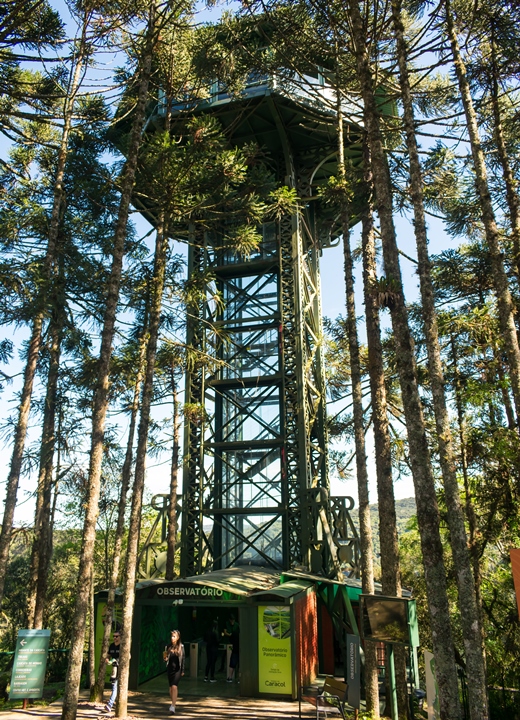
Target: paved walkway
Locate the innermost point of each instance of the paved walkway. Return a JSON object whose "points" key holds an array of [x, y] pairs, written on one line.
{"points": [[146, 705]]}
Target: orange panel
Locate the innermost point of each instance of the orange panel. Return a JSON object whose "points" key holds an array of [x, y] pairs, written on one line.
{"points": [[306, 638], [327, 642]]}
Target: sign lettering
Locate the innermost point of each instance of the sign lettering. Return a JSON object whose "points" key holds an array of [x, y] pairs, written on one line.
{"points": [[274, 649], [353, 671], [30, 663], [202, 591]]}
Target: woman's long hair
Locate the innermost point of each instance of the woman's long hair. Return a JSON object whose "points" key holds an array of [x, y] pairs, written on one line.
{"points": [[177, 647]]}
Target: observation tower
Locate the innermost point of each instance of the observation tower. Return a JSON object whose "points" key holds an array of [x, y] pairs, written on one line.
{"points": [[255, 477]]}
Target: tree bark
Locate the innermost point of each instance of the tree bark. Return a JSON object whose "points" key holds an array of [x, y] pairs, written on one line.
{"points": [[42, 547], [41, 552], [427, 509], [100, 404], [471, 516], [18, 448], [96, 692], [498, 272], [470, 617], [506, 398], [176, 422], [365, 530], [174, 482], [388, 538], [134, 527], [92, 638]]}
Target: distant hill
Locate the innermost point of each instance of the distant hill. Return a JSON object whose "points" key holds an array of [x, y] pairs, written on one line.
{"points": [[404, 509]]}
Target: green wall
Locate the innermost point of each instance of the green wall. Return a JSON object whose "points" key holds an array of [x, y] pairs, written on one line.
{"points": [[156, 624]]}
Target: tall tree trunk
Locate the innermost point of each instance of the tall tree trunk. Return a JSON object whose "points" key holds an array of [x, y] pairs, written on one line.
{"points": [[504, 391], [18, 448], [20, 432], [100, 405], [471, 515], [58, 465], [388, 538], [511, 185], [470, 617], [174, 482], [365, 529], [92, 638], [498, 272], [42, 542], [96, 692], [427, 509], [390, 569], [134, 527], [176, 421]]}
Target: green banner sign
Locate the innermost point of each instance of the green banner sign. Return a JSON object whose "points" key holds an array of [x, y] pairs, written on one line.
{"points": [[274, 649], [30, 663], [353, 671]]}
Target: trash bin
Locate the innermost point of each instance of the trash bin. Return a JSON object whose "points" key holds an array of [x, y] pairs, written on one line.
{"points": [[194, 659]]}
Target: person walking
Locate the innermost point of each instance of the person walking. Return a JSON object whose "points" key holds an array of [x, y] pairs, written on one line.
{"points": [[112, 658], [212, 643], [233, 631], [174, 658]]}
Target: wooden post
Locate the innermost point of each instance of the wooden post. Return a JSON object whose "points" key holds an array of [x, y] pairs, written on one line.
{"points": [[24, 706]]}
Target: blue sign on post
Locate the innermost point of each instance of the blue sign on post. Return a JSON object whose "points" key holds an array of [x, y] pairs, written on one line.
{"points": [[30, 664], [353, 671]]}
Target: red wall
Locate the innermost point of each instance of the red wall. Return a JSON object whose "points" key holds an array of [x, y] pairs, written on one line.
{"points": [[327, 642], [305, 611]]}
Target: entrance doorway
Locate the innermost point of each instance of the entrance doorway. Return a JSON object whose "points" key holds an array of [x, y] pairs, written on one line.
{"points": [[193, 623]]}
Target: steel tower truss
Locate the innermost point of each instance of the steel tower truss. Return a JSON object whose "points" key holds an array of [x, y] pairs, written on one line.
{"points": [[256, 487]]}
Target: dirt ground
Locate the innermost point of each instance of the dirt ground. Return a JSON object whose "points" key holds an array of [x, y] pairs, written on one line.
{"points": [[145, 705]]}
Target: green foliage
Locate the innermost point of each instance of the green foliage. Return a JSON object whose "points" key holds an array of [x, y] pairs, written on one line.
{"points": [[194, 413], [15, 596], [62, 586], [337, 191], [284, 201], [192, 175], [39, 27]]}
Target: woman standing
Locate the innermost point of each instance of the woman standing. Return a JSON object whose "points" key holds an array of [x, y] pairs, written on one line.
{"points": [[174, 658]]}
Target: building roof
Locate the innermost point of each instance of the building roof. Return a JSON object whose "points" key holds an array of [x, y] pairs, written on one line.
{"points": [[258, 581], [286, 591], [242, 580], [353, 585]]}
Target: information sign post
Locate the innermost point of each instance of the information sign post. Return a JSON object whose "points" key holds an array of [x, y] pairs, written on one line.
{"points": [[30, 663], [353, 672], [275, 665]]}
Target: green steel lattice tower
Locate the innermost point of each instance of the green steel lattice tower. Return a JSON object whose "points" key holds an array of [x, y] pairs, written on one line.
{"points": [[255, 482]]}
